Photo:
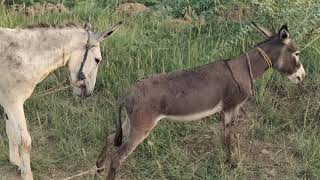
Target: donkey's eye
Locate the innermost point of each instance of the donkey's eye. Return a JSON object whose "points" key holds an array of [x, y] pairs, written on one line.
{"points": [[97, 60]]}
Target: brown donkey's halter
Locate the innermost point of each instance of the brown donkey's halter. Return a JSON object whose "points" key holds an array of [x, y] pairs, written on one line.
{"points": [[265, 57], [250, 73], [233, 77]]}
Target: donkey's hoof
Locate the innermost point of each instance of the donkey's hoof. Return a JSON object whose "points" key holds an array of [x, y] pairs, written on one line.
{"points": [[27, 176], [16, 161], [19, 171], [100, 167], [232, 164]]}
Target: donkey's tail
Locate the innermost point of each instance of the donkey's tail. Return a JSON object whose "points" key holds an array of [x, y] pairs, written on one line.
{"points": [[118, 136]]}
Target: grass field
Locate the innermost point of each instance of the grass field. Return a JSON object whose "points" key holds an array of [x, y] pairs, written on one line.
{"points": [[278, 134]]}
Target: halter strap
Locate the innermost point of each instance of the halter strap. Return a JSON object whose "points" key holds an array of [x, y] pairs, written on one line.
{"points": [[81, 75], [265, 57], [233, 76], [250, 72]]}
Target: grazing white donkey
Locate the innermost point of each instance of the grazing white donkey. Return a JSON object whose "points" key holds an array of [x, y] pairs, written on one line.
{"points": [[27, 57]]}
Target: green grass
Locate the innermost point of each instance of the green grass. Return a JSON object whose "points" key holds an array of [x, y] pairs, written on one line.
{"points": [[282, 117]]}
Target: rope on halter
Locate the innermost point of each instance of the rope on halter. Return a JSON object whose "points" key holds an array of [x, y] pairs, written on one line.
{"points": [[265, 56], [53, 90], [232, 75], [250, 73]]}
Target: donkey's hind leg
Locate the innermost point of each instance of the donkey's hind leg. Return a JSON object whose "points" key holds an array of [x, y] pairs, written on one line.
{"points": [[140, 127], [106, 151]]}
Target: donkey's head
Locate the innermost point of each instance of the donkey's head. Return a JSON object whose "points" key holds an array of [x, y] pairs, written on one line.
{"points": [[284, 53], [83, 63]]}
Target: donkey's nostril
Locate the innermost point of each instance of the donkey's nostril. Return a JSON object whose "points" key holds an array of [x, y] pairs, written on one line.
{"points": [[299, 78], [89, 94]]}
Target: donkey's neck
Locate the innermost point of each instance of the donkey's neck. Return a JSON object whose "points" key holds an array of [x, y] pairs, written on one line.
{"points": [[241, 71], [257, 61], [55, 49]]}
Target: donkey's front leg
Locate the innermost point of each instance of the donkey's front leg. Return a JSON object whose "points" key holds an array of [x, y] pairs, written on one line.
{"points": [[229, 118], [17, 123], [14, 137]]}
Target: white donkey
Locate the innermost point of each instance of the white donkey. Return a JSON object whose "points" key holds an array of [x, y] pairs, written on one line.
{"points": [[27, 57]]}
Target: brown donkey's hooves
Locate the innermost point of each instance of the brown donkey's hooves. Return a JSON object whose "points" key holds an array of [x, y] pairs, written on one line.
{"points": [[100, 168], [99, 171], [231, 163]]}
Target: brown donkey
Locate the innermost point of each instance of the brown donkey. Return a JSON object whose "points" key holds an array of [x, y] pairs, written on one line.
{"points": [[220, 86]]}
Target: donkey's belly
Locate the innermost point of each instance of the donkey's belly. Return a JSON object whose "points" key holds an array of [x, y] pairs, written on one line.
{"points": [[197, 115]]}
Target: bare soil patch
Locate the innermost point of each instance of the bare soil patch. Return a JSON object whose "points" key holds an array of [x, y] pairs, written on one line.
{"points": [[131, 8], [236, 13], [38, 8]]}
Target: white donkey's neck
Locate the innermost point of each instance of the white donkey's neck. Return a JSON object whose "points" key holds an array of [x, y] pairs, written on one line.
{"points": [[55, 47], [27, 56]]}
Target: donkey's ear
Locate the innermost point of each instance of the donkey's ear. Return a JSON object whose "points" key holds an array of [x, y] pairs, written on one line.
{"points": [[284, 32], [263, 30], [102, 35]]}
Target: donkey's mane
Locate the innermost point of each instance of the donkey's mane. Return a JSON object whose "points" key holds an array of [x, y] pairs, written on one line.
{"points": [[266, 40], [56, 26]]}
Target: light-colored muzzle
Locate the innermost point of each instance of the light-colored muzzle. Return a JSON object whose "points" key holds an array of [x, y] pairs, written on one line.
{"points": [[81, 89], [298, 76]]}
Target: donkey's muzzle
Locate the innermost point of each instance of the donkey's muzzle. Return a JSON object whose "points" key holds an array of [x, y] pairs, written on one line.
{"points": [[80, 89], [298, 76], [80, 84], [88, 94]]}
